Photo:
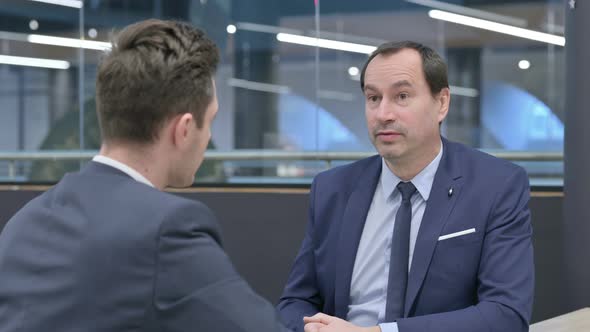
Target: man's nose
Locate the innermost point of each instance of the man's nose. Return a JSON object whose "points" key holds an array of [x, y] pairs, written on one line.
{"points": [[386, 111]]}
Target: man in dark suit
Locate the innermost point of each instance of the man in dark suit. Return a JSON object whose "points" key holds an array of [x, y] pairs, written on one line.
{"points": [[429, 236], [106, 249]]}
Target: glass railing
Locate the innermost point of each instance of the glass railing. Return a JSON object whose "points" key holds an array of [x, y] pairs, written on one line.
{"points": [[288, 82]]}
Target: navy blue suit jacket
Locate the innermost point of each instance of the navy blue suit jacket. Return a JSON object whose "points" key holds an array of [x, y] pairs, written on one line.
{"points": [[103, 252], [483, 281]]}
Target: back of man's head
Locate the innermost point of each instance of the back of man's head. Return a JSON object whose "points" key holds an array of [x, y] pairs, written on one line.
{"points": [[155, 70]]}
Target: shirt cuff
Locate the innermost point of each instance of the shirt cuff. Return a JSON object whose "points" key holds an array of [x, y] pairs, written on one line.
{"points": [[388, 327]]}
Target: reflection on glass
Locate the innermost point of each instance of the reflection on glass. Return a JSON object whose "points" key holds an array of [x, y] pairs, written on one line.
{"points": [[289, 78]]}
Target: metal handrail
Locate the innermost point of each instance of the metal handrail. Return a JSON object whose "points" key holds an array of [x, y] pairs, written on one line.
{"points": [[253, 155], [239, 155]]}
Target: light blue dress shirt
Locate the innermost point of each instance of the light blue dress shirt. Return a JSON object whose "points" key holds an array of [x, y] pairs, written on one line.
{"points": [[368, 288]]}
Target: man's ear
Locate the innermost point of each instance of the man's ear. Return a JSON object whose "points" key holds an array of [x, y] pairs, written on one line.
{"points": [[444, 100], [181, 129]]}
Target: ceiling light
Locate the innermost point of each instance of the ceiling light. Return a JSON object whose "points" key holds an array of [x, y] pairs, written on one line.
{"points": [[33, 24], [497, 27], [483, 14], [353, 71], [463, 91], [258, 86], [69, 42], [231, 29], [34, 62], [325, 43], [67, 3], [524, 64], [92, 33]]}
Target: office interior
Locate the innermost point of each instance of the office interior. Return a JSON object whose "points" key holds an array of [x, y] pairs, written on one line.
{"points": [[291, 106]]}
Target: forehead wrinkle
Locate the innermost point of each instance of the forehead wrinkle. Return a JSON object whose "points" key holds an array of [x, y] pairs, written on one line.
{"points": [[387, 71], [401, 83], [405, 64], [391, 74]]}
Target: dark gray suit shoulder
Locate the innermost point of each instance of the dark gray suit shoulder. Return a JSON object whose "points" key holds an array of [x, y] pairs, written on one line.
{"points": [[345, 176], [478, 165]]}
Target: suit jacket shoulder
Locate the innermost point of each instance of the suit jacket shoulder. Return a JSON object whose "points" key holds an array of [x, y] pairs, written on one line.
{"points": [[344, 178], [146, 259], [478, 167]]}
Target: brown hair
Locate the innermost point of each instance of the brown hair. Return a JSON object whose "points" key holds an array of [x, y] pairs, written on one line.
{"points": [[154, 71], [434, 67]]}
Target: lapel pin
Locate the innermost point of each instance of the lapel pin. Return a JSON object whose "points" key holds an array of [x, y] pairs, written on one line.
{"points": [[450, 192]]}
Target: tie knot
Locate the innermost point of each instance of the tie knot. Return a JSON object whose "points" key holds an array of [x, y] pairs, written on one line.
{"points": [[407, 189]]}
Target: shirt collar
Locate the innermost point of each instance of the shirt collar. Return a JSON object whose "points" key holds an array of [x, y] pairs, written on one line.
{"points": [[123, 168], [422, 181]]}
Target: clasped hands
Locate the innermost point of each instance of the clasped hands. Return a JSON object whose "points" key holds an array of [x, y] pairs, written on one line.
{"points": [[325, 323]]}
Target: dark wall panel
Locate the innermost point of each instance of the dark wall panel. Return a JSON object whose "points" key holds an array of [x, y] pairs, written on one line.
{"points": [[262, 233], [548, 244], [576, 226], [13, 200]]}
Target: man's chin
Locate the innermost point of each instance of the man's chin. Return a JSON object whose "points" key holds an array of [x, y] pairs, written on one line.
{"points": [[389, 154]]}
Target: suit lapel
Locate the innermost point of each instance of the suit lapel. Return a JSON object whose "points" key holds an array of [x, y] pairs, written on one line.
{"points": [[438, 208], [353, 222]]}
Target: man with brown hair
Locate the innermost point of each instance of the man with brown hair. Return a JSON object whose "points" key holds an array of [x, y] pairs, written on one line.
{"points": [[429, 235], [106, 249]]}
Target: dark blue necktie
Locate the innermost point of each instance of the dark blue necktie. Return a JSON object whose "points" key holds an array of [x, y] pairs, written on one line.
{"points": [[400, 253]]}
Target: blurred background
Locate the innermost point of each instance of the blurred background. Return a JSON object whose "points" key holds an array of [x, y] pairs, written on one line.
{"points": [[288, 83]]}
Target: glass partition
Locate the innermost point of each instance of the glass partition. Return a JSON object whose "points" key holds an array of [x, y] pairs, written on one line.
{"points": [[288, 83]]}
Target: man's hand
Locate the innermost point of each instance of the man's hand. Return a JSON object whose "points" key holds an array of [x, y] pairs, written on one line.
{"points": [[326, 323]]}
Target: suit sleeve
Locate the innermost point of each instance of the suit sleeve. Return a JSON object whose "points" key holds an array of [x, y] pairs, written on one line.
{"points": [[196, 285], [301, 296], [505, 275]]}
